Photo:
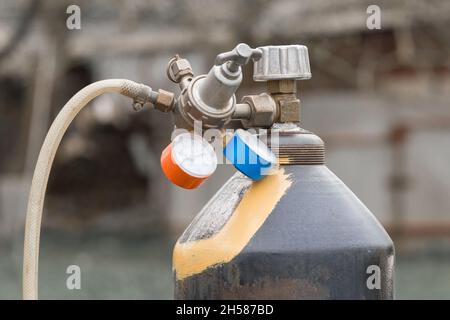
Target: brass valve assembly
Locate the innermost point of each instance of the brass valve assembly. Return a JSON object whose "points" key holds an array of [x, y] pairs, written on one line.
{"points": [[211, 98]]}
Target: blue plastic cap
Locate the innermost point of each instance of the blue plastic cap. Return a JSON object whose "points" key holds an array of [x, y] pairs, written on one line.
{"points": [[249, 155]]}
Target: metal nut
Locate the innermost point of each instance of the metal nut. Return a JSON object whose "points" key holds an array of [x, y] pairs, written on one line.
{"points": [[281, 86], [264, 110], [164, 101], [180, 68]]}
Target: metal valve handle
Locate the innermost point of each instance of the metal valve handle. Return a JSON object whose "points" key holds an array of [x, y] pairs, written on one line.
{"points": [[239, 56]]}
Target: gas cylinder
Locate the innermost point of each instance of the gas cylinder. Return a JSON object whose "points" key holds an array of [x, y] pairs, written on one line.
{"points": [[299, 233]]}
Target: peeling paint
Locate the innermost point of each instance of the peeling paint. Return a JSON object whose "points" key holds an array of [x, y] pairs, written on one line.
{"points": [[193, 257]]}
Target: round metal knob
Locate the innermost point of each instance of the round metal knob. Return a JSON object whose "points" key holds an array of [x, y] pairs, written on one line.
{"points": [[289, 62]]}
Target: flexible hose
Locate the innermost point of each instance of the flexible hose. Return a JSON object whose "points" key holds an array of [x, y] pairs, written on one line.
{"points": [[136, 91]]}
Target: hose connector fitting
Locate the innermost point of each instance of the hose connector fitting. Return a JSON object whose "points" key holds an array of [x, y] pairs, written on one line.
{"points": [[140, 93]]}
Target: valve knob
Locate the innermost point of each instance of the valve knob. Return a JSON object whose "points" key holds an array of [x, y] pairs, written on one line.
{"points": [[239, 56], [289, 62], [188, 161], [250, 155]]}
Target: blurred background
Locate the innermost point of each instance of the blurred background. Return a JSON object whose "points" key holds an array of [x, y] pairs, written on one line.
{"points": [[380, 99]]}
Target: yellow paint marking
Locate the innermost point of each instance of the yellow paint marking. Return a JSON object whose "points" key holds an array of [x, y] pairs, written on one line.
{"points": [[193, 257]]}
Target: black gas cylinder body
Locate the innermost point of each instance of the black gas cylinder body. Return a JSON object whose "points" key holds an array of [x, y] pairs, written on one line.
{"points": [[314, 240]]}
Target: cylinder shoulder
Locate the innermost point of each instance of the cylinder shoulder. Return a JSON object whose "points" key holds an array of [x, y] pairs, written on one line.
{"points": [[319, 212]]}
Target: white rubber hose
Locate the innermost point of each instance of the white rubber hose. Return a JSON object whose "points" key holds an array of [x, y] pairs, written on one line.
{"points": [[139, 92]]}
